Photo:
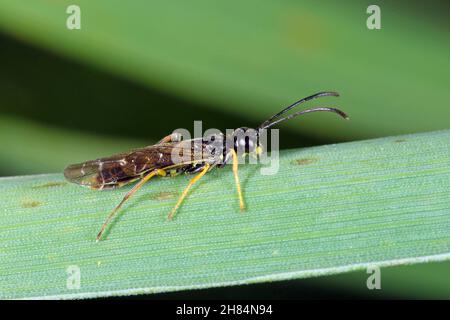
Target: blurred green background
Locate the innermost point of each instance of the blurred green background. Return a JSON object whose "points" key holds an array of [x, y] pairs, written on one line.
{"points": [[139, 69]]}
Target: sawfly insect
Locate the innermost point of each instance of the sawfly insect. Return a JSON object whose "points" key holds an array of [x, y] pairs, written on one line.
{"points": [[199, 156]]}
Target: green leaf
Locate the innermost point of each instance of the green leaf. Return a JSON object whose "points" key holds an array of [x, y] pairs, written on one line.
{"points": [[232, 58], [328, 210]]}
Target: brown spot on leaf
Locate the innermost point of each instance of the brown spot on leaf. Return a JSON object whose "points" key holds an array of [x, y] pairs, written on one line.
{"points": [[399, 140], [163, 195], [50, 185], [30, 203], [305, 161]]}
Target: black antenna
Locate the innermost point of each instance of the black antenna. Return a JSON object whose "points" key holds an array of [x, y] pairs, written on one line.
{"points": [[337, 111], [271, 121]]}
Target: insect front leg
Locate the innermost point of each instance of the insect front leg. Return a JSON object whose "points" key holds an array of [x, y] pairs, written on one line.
{"points": [[236, 179], [232, 155]]}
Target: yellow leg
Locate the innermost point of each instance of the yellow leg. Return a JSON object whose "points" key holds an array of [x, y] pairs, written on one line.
{"points": [[236, 179], [150, 175], [186, 190]]}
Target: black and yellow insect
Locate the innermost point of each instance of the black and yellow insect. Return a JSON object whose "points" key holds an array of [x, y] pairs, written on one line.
{"points": [[157, 160]]}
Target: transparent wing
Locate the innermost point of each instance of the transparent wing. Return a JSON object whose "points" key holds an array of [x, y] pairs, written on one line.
{"points": [[123, 168]]}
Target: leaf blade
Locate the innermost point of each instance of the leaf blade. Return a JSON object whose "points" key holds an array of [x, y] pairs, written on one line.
{"points": [[330, 209]]}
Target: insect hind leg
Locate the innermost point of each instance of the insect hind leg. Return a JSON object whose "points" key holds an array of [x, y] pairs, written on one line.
{"points": [[115, 185], [157, 172]]}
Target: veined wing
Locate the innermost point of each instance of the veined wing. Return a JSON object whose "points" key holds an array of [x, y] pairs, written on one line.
{"points": [[123, 168], [118, 169]]}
